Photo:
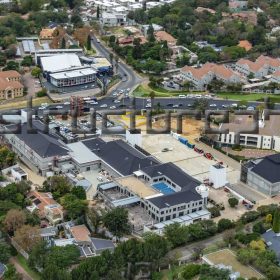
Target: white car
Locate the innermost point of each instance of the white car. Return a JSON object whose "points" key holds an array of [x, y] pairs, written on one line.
{"points": [[113, 107], [117, 101], [128, 89], [198, 96], [225, 106], [45, 105], [234, 105], [66, 103], [182, 96], [176, 106], [93, 103], [104, 106], [148, 100], [59, 107], [212, 105], [250, 108], [149, 105]]}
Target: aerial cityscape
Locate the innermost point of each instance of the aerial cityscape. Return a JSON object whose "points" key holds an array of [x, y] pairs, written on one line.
{"points": [[139, 139]]}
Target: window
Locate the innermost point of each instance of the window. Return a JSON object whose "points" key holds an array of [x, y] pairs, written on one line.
{"points": [[88, 168]]}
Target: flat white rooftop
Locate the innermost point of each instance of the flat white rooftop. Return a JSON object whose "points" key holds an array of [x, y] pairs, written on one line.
{"points": [[81, 153], [60, 62], [73, 73]]}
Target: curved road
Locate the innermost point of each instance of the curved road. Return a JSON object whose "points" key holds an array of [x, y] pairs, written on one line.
{"points": [[132, 79]]}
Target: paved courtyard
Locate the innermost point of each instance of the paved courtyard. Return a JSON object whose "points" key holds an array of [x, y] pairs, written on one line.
{"points": [[193, 163]]}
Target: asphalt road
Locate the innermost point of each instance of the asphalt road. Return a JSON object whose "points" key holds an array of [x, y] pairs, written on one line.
{"points": [[129, 78]]}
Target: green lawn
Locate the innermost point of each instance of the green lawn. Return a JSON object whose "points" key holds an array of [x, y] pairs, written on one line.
{"points": [[23, 263], [247, 97], [144, 91]]}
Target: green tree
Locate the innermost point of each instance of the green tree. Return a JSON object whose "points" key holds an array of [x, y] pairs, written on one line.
{"points": [[74, 206], [5, 252], [38, 255], [176, 234], [213, 273], [63, 257], [276, 221], [224, 224], [154, 248], [150, 34], [11, 273], [53, 272], [117, 222], [57, 185], [232, 201], [11, 65], [79, 192], [27, 61], [36, 71], [190, 271], [268, 218], [98, 12], [95, 218], [89, 42]]}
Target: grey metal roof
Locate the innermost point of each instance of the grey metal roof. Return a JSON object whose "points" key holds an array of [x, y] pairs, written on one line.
{"points": [[45, 145], [165, 201], [120, 155], [102, 244], [3, 268], [269, 168], [273, 242], [174, 173]]}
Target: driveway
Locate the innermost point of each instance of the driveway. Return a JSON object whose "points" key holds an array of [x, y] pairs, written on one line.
{"points": [[20, 269], [187, 251]]}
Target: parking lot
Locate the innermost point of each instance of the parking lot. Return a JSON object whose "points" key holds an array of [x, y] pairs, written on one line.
{"points": [[193, 163]]}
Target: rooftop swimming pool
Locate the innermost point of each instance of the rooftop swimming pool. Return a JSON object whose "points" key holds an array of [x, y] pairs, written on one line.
{"points": [[163, 188]]}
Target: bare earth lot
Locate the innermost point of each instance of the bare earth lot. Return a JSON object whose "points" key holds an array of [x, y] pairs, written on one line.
{"points": [[228, 258]]}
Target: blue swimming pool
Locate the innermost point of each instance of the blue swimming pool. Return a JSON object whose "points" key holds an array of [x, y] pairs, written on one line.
{"points": [[163, 188]]}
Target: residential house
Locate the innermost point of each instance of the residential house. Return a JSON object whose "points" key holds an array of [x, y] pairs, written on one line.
{"points": [[164, 36], [245, 44], [246, 16], [201, 77], [46, 206], [236, 5], [246, 67], [10, 85], [272, 241], [47, 33], [273, 63], [113, 19], [48, 233], [153, 4], [145, 28], [275, 77]]}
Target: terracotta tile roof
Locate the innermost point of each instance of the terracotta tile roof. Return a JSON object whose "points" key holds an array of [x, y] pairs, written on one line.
{"points": [[46, 33], [164, 36], [9, 74], [254, 66], [5, 84], [210, 68], [222, 71], [245, 44], [276, 73], [199, 72], [80, 233], [274, 62], [41, 199], [125, 41]]}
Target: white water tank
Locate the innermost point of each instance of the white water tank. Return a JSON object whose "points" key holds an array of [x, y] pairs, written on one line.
{"points": [[134, 137], [218, 175], [203, 190]]}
